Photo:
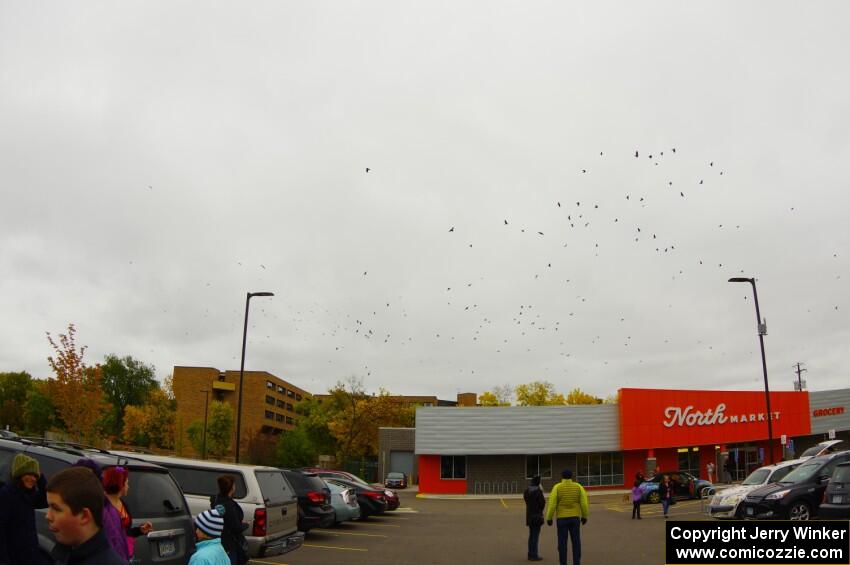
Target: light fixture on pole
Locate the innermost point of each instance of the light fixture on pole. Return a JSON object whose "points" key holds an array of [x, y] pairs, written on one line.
{"points": [[762, 331], [242, 370]]}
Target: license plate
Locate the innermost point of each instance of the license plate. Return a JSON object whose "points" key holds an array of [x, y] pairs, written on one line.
{"points": [[167, 548], [836, 499], [749, 511]]}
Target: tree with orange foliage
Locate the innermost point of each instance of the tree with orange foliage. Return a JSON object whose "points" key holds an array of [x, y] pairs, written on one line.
{"points": [[76, 390]]}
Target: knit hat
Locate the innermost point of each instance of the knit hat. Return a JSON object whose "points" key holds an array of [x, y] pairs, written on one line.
{"points": [[211, 521], [23, 465]]}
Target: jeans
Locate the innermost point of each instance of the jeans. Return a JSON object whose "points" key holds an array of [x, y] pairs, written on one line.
{"points": [[569, 528], [636, 508], [533, 539], [665, 502]]}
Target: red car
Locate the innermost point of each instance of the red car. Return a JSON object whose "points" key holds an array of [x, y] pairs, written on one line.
{"points": [[392, 496]]}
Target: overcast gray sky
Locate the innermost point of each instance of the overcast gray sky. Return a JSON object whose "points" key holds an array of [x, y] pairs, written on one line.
{"points": [[158, 160]]}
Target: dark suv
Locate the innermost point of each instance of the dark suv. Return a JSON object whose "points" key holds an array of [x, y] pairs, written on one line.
{"points": [[798, 495], [314, 500], [836, 497], [153, 497]]}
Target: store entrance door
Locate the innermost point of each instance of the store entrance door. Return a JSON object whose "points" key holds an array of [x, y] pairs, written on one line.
{"points": [[744, 459], [689, 460]]}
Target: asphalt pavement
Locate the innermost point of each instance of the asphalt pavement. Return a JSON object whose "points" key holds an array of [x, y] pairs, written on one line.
{"points": [[487, 532]]}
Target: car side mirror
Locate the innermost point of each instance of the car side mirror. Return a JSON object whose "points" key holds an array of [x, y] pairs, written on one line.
{"points": [[824, 479]]}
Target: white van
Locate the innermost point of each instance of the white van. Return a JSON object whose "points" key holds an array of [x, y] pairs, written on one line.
{"points": [[266, 497]]}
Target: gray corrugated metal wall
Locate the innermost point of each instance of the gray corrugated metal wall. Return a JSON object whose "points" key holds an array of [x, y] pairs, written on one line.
{"points": [[830, 399], [527, 430]]}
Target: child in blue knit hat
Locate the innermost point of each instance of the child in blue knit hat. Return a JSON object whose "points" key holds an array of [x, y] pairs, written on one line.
{"points": [[208, 527]]}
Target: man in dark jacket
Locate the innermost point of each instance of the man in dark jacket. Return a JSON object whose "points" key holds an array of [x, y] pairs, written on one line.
{"points": [[18, 500], [535, 502]]}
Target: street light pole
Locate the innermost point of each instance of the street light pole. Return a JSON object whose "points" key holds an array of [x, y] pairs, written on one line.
{"points": [[762, 330], [206, 413], [242, 370]]}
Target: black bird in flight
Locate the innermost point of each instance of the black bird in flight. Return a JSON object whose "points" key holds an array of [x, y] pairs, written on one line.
{"points": [[506, 222], [636, 154], [452, 229], [367, 169]]}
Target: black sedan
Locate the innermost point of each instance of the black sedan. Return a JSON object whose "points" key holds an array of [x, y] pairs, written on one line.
{"points": [[396, 480], [372, 500], [314, 500]]}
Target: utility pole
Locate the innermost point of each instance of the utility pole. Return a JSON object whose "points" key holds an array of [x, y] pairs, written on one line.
{"points": [[799, 380]]}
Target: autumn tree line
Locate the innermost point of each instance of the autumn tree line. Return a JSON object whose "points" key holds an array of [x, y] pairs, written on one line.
{"points": [[120, 400]]}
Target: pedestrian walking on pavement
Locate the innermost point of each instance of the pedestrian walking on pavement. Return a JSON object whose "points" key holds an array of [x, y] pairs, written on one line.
{"points": [[637, 494], [665, 491], [568, 503], [535, 502], [18, 500], [709, 467]]}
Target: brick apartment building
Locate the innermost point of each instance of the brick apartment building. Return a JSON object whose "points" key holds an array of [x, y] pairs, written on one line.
{"points": [[463, 399], [268, 408]]}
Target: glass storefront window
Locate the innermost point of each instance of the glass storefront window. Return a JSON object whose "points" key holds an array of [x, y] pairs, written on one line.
{"points": [[599, 469]]}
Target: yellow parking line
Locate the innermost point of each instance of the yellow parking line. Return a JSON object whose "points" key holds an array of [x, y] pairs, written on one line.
{"points": [[334, 532], [376, 524], [335, 547], [265, 562], [502, 500]]}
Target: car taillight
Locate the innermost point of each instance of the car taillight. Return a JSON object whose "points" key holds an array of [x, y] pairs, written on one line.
{"points": [[316, 497], [259, 523], [375, 495]]}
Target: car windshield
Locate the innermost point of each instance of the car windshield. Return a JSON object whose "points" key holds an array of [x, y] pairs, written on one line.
{"points": [[812, 451], [395, 476], [802, 473], [757, 477], [154, 494], [841, 474]]}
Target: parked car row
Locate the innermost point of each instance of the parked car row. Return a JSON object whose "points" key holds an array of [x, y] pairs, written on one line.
{"points": [[279, 505], [815, 485]]}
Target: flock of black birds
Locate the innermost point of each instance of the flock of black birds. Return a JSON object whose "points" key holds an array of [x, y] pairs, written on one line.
{"points": [[491, 333]]}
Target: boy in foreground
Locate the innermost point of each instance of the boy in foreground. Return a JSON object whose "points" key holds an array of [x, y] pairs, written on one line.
{"points": [[74, 513]]}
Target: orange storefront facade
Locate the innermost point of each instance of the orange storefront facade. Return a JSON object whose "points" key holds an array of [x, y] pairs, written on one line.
{"points": [[687, 429]]}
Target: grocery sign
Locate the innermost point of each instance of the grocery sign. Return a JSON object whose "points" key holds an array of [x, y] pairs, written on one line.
{"points": [[655, 418]]}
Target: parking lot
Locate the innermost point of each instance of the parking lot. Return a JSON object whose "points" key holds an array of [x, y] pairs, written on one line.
{"points": [[473, 531]]}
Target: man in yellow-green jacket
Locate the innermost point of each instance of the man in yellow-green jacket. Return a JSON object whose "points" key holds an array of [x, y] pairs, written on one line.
{"points": [[568, 502]]}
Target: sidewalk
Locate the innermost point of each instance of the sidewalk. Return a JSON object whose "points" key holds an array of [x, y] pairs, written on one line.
{"points": [[591, 495]]}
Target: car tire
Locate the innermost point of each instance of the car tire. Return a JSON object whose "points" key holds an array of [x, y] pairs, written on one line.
{"points": [[654, 497], [800, 510]]}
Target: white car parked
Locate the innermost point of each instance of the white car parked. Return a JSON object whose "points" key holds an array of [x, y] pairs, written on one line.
{"points": [[726, 503]]}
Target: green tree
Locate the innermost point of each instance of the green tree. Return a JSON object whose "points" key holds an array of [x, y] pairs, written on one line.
{"points": [[294, 449], [195, 431], [14, 389], [538, 393], [577, 396], [126, 381], [41, 413], [219, 428]]}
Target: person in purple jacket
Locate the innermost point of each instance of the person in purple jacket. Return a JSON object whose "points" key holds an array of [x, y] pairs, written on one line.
{"points": [[111, 519]]}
